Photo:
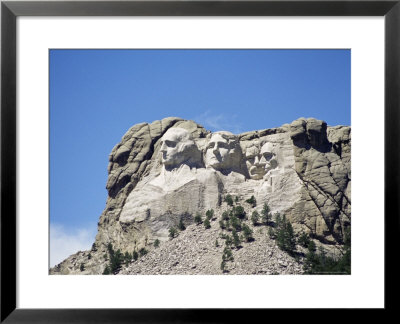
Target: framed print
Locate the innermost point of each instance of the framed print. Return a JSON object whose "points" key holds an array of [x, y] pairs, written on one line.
{"points": [[77, 75]]}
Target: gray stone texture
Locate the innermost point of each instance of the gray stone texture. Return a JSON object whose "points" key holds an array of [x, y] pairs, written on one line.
{"points": [[306, 176]]}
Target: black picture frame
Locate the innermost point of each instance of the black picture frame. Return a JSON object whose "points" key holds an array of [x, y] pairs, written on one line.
{"points": [[10, 10]]}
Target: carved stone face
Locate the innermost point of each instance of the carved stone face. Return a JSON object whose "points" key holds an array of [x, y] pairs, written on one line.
{"points": [[259, 162], [253, 157], [268, 156], [177, 147], [217, 151], [221, 153]]}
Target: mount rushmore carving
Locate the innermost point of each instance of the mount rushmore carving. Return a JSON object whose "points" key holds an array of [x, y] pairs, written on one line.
{"points": [[173, 169], [192, 180]]}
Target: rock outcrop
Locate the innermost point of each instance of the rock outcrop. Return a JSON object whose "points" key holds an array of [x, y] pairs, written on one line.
{"points": [[170, 170]]}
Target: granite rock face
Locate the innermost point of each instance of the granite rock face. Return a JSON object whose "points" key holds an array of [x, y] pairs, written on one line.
{"points": [[322, 163], [170, 170]]}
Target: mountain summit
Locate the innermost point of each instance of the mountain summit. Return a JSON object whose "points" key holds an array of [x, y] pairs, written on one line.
{"points": [[184, 200]]}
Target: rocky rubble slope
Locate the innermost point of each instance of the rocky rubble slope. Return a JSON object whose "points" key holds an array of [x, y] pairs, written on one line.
{"points": [[194, 252]]}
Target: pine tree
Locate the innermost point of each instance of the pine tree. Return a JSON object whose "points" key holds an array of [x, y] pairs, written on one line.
{"points": [[278, 219], [304, 240], [82, 267], [255, 217], [312, 247], [142, 251], [290, 238], [235, 223], [107, 270], [227, 254], [156, 243], [252, 201], [228, 199], [110, 249], [198, 219], [236, 239], [127, 257], [116, 259], [210, 214], [321, 263], [207, 224], [345, 262], [247, 233], [266, 214], [271, 233], [223, 265], [239, 212], [181, 226], [94, 248], [285, 236], [228, 240], [172, 232]]}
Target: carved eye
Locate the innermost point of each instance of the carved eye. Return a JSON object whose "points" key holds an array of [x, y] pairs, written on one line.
{"points": [[268, 155], [250, 155], [223, 145], [170, 143], [211, 145]]}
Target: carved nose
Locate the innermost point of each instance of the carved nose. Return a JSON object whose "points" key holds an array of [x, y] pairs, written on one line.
{"points": [[215, 150], [256, 160], [162, 149]]}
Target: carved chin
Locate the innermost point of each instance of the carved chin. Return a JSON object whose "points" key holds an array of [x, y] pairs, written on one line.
{"points": [[213, 162], [174, 161], [256, 173], [170, 161], [165, 159], [215, 166]]}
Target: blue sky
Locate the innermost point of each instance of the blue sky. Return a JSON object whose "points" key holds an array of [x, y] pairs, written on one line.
{"points": [[97, 95]]}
